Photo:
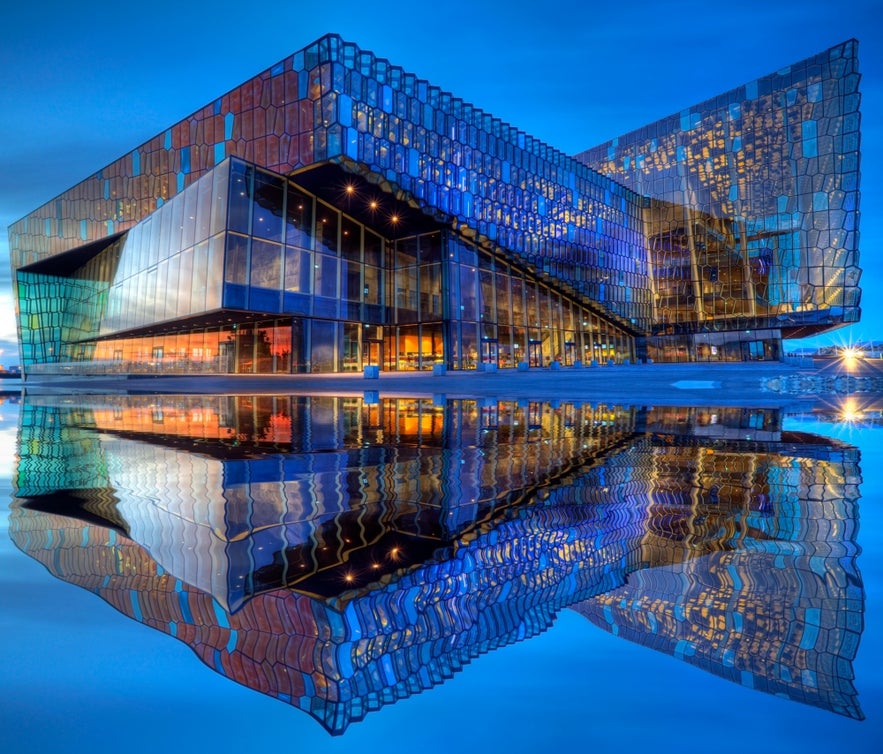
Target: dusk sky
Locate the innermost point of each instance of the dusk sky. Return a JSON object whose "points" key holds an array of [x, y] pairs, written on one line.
{"points": [[85, 82]]}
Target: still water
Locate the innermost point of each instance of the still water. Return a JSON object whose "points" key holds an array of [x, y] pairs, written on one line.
{"points": [[235, 573]]}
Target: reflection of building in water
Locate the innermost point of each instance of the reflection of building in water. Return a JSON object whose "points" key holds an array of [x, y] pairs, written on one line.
{"points": [[767, 595], [340, 555], [402, 477]]}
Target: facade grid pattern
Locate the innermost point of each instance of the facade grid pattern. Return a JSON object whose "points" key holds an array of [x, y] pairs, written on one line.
{"points": [[709, 235]]}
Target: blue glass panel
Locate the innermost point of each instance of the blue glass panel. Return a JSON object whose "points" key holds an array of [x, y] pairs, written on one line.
{"points": [[235, 295], [344, 110], [265, 300], [352, 143], [296, 303], [810, 143]]}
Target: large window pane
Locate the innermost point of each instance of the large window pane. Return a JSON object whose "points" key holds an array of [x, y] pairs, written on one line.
{"points": [[266, 265], [188, 226], [430, 247], [351, 281], [322, 346], [236, 259], [468, 296], [372, 285], [406, 294], [266, 218], [327, 221], [220, 182], [298, 219], [430, 292], [203, 188], [373, 248], [199, 277], [298, 270], [240, 200], [185, 273], [325, 269], [214, 269], [350, 240]]}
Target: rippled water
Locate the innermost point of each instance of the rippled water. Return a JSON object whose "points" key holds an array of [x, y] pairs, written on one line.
{"points": [[449, 574]]}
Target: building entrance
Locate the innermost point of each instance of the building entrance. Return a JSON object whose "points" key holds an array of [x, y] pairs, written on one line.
{"points": [[535, 353], [372, 352], [490, 351]]}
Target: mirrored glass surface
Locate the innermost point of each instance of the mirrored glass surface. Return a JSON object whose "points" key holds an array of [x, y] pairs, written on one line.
{"points": [[340, 554]]}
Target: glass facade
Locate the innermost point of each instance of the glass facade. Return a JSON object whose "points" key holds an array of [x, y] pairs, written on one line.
{"points": [[752, 213], [337, 212]]}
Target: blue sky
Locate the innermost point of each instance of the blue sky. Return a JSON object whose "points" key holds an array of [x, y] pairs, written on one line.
{"points": [[82, 83]]}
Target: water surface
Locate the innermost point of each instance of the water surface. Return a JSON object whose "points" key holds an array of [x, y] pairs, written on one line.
{"points": [[353, 572]]}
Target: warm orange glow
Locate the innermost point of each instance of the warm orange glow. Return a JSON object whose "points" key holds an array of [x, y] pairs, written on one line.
{"points": [[850, 412]]}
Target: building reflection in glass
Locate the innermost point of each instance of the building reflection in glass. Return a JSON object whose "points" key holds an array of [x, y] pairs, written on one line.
{"points": [[339, 554]]}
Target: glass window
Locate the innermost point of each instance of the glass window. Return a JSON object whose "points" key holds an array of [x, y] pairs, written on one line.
{"points": [[468, 295], [504, 309], [372, 285], [406, 294], [533, 312], [198, 277], [220, 181], [176, 208], [188, 226], [164, 218], [517, 301], [240, 189], [430, 247], [214, 268], [281, 348], [322, 346], [325, 275], [185, 275], [236, 259], [469, 345], [486, 281], [161, 297], [430, 292], [203, 207], [297, 270], [266, 264], [406, 252], [351, 347], [350, 240], [267, 211], [352, 281], [373, 248], [327, 221], [298, 218]]}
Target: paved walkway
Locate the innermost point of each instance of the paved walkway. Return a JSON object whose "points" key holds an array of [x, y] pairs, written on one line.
{"points": [[641, 384]]}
